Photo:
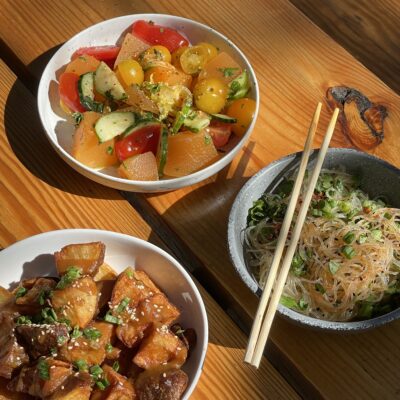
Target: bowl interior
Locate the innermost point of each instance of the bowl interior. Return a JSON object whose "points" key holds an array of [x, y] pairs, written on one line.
{"points": [[60, 131], [32, 257], [377, 178]]}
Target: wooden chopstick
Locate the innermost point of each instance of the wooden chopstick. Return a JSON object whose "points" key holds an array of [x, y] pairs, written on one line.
{"points": [[255, 330], [281, 280]]}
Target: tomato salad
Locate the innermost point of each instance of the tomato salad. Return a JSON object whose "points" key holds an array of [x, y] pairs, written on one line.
{"points": [[155, 106]]}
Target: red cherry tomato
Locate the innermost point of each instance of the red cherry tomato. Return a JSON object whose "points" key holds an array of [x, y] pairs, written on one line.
{"points": [[68, 90], [140, 141], [108, 54], [157, 34], [220, 133]]}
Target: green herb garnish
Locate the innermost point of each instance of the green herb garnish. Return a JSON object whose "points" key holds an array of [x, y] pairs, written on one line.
{"points": [[23, 320], [72, 274], [348, 252], [21, 291], [81, 365], [78, 117], [348, 237], [44, 369], [112, 319], [91, 333], [109, 348], [333, 267], [320, 288], [115, 366], [123, 304]]}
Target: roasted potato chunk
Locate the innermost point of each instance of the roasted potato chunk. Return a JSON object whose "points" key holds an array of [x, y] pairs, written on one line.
{"points": [[41, 340], [6, 298], [12, 355], [86, 256], [75, 387], [90, 346], [119, 389], [154, 309], [161, 385], [77, 302], [41, 379], [161, 347], [130, 284], [105, 273]]}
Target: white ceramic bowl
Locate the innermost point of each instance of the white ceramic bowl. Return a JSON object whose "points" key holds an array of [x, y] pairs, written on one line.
{"points": [[33, 257], [59, 132]]}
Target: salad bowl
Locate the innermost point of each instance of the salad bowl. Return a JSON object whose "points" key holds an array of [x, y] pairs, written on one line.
{"points": [[59, 131]]}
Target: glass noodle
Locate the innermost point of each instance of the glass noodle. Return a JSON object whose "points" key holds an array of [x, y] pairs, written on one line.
{"points": [[347, 263]]}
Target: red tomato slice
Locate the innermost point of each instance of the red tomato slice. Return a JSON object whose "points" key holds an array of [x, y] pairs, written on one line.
{"points": [[220, 133], [157, 34], [68, 90], [108, 54], [139, 141]]}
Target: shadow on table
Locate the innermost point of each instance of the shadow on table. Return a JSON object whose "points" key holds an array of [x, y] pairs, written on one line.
{"points": [[27, 140]]}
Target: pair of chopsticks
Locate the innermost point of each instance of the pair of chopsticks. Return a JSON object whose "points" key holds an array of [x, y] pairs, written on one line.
{"points": [[268, 304]]}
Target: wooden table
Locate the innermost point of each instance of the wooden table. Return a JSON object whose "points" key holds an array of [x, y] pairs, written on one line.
{"points": [[295, 62]]}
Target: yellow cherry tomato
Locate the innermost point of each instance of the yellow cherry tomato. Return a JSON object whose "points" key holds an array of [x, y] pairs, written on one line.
{"points": [[130, 72], [212, 51], [193, 59], [210, 95], [157, 53], [243, 110], [176, 57]]}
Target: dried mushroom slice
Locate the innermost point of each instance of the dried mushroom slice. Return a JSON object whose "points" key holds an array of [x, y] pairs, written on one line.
{"points": [[42, 339], [361, 120], [12, 355], [88, 257], [41, 379], [161, 384], [161, 347], [88, 345], [76, 387], [76, 301]]}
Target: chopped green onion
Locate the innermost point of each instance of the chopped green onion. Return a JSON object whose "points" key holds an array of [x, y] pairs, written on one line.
{"points": [[348, 237], [297, 266], [333, 267], [288, 302], [302, 304], [115, 366], [81, 365], [376, 234], [348, 252], [319, 288], [112, 319], [44, 369], [109, 348], [21, 291], [91, 333], [102, 384], [387, 215], [123, 304], [71, 275], [362, 238], [129, 273], [76, 333], [23, 320], [345, 206], [96, 371]]}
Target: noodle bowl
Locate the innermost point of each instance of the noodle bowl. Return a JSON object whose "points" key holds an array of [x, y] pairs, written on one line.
{"points": [[347, 263]]}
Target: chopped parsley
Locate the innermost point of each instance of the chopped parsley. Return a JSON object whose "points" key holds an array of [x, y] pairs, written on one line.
{"points": [[110, 150], [72, 274], [207, 139], [78, 117]]}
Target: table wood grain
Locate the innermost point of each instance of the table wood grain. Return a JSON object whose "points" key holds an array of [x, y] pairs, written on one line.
{"points": [[295, 63], [39, 193]]}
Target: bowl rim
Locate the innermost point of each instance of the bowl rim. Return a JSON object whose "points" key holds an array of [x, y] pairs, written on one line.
{"points": [[19, 246], [250, 282], [179, 182]]}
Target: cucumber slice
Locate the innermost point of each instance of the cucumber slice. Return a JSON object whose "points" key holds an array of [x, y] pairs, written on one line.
{"points": [[113, 124], [181, 116], [86, 93], [139, 125], [107, 83], [239, 87], [162, 151], [196, 121], [224, 118]]}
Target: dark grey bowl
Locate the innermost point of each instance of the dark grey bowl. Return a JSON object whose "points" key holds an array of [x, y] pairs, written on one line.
{"points": [[378, 178]]}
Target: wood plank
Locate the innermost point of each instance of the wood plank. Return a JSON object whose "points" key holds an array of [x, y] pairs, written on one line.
{"points": [[368, 30], [38, 193], [295, 63]]}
